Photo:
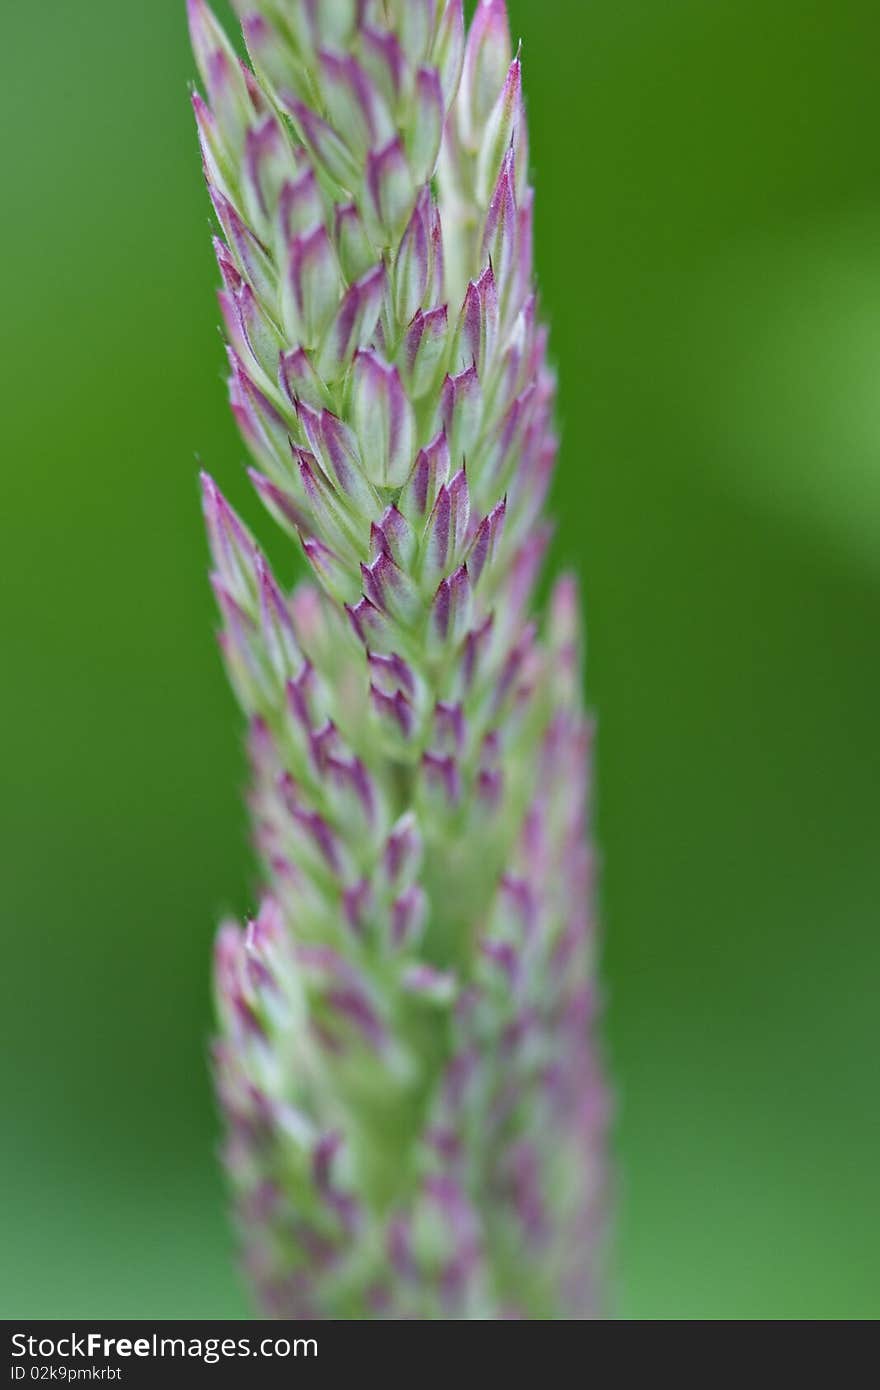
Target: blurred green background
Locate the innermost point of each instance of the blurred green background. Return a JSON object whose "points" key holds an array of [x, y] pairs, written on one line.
{"points": [[708, 177]]}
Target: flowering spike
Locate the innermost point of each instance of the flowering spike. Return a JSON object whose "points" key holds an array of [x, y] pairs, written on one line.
{"points": [[407, 1061]]}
